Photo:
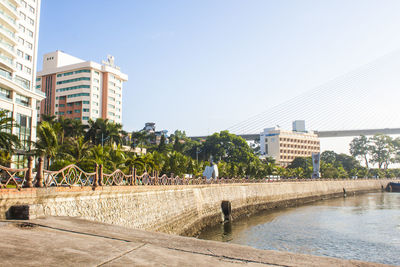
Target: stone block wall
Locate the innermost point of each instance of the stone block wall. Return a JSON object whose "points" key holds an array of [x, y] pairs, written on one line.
{"points": [[172, 209]]}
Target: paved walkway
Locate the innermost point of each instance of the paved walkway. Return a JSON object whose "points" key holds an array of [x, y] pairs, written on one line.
{"points": [[59, 241]]}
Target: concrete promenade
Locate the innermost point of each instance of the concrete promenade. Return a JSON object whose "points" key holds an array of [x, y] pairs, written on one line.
{"points": [[62, 241]]}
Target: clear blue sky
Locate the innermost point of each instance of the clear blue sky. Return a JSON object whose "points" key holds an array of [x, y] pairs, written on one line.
{"points": [[202, 66]]}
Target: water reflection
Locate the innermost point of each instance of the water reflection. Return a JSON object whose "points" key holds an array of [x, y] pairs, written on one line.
{"points": [[364, 227]]}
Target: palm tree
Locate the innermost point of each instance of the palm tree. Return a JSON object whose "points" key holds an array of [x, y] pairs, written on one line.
{"points": [[95, 130], [47, 142], [134, 161], [113, 133], [49, 118], [149, 163], [116, 159], [75, 128], [5, 158], [98, 154], [102, 131], [76, 150], [8, 140]]}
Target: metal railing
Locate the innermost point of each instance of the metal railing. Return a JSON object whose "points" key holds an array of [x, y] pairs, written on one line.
{"points": [[72, 175]]}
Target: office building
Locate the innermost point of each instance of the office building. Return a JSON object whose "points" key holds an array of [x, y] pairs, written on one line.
{"points": [[19, 32], [284, 146], [79, 89]]}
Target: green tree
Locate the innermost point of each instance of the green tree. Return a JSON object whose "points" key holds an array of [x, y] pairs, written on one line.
{"points": [[328, 156], [162, 147], [228, 147], [102, 131], [134, 161], [360, 147], [140, 139], [381, 149], [76, 150], [347, 162]]}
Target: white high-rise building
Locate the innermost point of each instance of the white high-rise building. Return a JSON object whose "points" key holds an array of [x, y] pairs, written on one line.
{"points": [[19, 32], [79, 89]]}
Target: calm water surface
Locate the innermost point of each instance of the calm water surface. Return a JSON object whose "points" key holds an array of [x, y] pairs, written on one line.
{"points": [[364, 227]]}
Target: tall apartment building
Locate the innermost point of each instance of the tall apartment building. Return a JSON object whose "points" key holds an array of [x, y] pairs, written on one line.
{"points": [[284, 146], [79, 89], [19, 32]]}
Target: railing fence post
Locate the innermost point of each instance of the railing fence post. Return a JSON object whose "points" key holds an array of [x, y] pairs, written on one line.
{"points": [[100, 175], [96, 176], [133, 176], [39, 173], [28, 175]]}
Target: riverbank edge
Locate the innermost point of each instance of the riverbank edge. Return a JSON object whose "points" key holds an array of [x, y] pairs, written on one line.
{"points": [[239, 213], [180, 210]]}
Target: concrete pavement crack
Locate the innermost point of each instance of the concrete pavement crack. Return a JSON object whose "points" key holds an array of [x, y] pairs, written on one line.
{"points": [[226, 257], [81, 233], [123, 254]]}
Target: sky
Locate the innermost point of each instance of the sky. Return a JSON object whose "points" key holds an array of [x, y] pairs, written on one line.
{"points": [[203, 66]]}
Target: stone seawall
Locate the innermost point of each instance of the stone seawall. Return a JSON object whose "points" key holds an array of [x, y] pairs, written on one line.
{"points": [[180, 210]]}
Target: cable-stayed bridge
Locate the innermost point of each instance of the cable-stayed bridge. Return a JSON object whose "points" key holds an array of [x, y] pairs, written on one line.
{"points": [[364, 101]]}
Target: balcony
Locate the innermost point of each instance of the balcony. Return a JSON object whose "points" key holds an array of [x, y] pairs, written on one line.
{"points": [[11, 7], [9, 50], [4, 31], [20, 82], [7, 19], [6, 74], [7, 62]]}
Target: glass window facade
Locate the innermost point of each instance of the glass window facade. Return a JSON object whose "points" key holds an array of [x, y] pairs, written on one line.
{"points": [[22, 100], [23, 130], [74, 80], [72, 88], [78, 95]]}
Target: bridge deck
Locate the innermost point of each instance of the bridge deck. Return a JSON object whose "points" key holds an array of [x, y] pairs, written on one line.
{"points": [[327, 134]]}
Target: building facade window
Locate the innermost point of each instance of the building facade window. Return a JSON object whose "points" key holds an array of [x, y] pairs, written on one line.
{"points": [[22, 100], [5, 94], [74, 80], [77, 95], [23, 130], [23, 82], [72, 88]]}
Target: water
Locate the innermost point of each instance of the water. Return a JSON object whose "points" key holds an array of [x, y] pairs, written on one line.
{"points": [[363, 227]]}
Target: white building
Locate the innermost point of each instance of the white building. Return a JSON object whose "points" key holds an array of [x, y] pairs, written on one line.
{"points": [[79, 89], [19, 32], [284, 146]]}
